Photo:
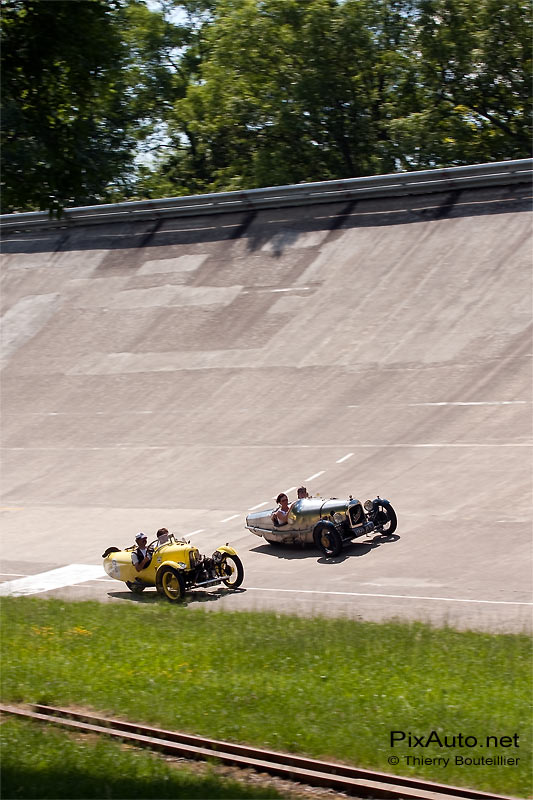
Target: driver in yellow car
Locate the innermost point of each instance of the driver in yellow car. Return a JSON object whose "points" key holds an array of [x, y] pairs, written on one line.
{"points": [[142, 555]]}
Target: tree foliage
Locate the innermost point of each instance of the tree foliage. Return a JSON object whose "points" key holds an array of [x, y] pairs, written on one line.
{"points": [[228, 94], [65, 108]]}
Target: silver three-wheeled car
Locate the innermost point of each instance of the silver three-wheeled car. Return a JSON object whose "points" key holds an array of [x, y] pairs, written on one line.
{"points": [[329, 524]]}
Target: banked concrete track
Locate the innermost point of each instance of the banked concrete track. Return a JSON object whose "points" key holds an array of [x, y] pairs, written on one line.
{"points": [[181, 372]]}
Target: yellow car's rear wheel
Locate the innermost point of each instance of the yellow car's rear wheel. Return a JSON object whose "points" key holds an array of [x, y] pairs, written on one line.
{"points": [[135, 587], [171, 584]]}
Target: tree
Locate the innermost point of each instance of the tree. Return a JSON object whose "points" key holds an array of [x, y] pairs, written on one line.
{"points": [[66, 115], [474, 96], [107, 100], [289, 91]]}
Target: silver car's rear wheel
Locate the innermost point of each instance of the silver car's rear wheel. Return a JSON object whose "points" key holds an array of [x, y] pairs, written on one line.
{"points": [[327, 539]]}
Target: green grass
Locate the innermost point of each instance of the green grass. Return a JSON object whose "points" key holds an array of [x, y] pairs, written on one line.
{"points": [[326, 688], [49, 763]]}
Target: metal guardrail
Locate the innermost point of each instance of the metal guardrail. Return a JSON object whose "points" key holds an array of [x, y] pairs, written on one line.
{"points": [[437, 180]]}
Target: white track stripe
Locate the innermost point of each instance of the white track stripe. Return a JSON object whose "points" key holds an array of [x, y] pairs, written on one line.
{"points": [[232, 517], [391, 596], [54, 579], [82, 573], [474, 403], [344, 458], [372, 445], [316, 475]]}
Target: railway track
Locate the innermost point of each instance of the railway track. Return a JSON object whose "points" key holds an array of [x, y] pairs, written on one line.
{"points": [[360, 783]]}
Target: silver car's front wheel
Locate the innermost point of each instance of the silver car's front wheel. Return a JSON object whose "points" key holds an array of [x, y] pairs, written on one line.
{"points": [[385, 519]]}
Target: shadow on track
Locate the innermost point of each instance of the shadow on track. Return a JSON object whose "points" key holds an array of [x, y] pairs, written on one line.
{"points": [[295, 551], [150, 596]]}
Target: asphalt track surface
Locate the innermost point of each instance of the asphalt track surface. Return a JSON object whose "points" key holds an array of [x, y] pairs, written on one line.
{"points": [[178, 373]]}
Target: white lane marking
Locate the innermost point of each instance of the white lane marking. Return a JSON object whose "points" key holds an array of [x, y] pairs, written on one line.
{"points": [[125, 445], [344, 458], [232, 517], [357, 405], [452, 444], [192, 533], [475, 403], [259, 505], [392, 596], [312, 477], [287, 491], [53, 579], [14, 574], [292, 289], [84, 573]]}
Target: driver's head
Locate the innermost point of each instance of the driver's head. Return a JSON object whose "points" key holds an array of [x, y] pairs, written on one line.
{"points": [[302, 492], [141, 539], [282, 498]]}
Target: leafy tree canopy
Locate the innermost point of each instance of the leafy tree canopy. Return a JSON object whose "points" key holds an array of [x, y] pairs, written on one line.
{"points": [[65, 107], [228, 94]]}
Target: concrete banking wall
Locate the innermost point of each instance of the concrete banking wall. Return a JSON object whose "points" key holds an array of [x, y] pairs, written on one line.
{"points": [[178, 372]]}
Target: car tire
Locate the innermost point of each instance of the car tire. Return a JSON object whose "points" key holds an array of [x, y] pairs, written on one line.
{"points": [[327, 539], [385, 518], [171, 584], [136, 588], [236, 574]]}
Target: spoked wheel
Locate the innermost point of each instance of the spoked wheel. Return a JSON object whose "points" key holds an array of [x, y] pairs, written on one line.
{"points": [[136, 588], [171, 584], [385, 519], [233, 569], [328, 539]]}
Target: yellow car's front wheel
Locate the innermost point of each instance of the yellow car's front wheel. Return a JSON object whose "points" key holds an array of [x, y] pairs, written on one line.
{"points": [[232, 571], [171, 584]]}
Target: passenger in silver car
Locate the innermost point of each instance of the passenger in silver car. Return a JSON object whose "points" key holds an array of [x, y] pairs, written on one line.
{"points": [[280, 515]]}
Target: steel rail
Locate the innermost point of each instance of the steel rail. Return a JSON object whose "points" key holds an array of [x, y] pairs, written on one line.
{"points": [[340, 777], [393, 184]]}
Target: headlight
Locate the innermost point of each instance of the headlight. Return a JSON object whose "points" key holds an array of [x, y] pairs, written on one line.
{"points": [[369, 505], [338, 518], [181, 565]]}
